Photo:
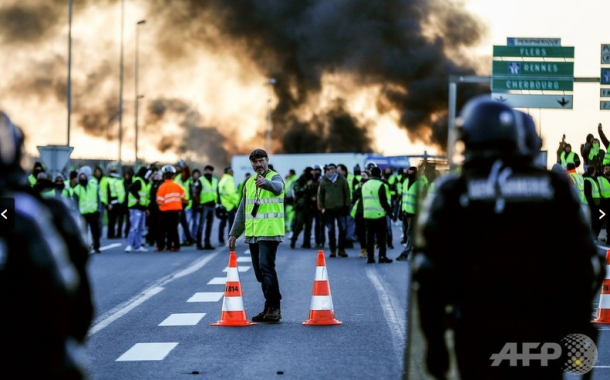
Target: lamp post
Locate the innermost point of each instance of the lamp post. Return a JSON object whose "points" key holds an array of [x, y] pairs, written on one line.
{"points": [[271, 82], [121, 76], [138, 96], [69, 84]]}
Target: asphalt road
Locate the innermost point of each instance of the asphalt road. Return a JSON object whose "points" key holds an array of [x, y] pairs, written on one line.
{"points": [[153, 315]]}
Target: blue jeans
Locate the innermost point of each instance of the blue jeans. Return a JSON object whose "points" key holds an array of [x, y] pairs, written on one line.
{"points": [[137, 219], [329, 219], [263, 261], [206, 219]]}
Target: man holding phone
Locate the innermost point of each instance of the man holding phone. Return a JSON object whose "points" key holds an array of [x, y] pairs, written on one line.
{"points": [[261, 216]]}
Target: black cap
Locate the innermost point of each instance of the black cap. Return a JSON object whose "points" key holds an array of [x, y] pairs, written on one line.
{"points": [[209, 167], [228, 169], [376, 172], [258, 153]]}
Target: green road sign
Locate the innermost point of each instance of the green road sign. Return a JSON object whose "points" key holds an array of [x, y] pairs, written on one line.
{"points": [[534, 51], [535, 101], [532, 84], [532, 69]]}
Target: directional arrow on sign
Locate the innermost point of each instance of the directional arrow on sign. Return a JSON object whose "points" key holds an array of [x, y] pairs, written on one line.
{"points": [[603, 214], [4, 216], [563, 102]]}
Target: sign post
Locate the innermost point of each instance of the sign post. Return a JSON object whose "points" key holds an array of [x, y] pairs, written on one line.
{"points": [[533, 73]]}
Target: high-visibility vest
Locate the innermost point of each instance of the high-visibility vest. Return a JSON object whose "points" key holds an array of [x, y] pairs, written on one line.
{"points": [[566, 160], [170, 195], [104, 187], [289, 185], [132, 200], [269, 220], [32, 180], [410, 195], [371, 205], [606, 159], [579, 182], [117, 190], [186, 185], [594, 188], [604, 186], [87, 197], [228, 192], [209, 191]]}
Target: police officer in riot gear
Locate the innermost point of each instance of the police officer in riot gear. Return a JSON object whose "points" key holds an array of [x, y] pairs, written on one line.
{"points": [[42, 276], [503, 254]]}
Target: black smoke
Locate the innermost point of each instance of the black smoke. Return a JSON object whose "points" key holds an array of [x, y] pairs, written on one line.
{"points": [[407, 47]]}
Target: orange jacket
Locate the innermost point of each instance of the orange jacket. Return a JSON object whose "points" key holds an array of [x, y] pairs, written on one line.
{"points": [[170, 196]]}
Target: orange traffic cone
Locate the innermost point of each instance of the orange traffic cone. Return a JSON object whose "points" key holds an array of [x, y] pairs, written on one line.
{"points": [[233, 313], [321, 309], [603, 311]]}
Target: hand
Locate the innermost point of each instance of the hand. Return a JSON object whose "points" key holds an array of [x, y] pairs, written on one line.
{"points": [[231, 243], [260, 181]]}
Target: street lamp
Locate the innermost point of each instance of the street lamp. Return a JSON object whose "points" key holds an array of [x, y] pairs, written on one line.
{"points": [[138, 96], [69, 84], [121, 84], [271, 82]]}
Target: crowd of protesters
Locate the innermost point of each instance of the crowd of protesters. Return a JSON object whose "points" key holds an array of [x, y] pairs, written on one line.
{"points": [[324, 205]]}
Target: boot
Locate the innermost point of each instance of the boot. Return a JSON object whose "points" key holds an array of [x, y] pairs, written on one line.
{"points": [[342, 253], [363, 253], [333, 253]]}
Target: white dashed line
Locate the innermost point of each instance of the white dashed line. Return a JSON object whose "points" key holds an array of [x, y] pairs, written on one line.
{"points": [[182, 319], [147, 351], [206, 297]]}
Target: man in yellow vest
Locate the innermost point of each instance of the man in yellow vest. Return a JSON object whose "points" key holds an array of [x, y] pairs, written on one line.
{"points": [[593, 197], [229, 200], [413, 190], [604, 191], [260, 216], [87, 198], [375, 207], [208, 199], [137, 202]]}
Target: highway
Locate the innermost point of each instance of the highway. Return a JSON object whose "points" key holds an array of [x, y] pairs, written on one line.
{"points": [[154, 309]]}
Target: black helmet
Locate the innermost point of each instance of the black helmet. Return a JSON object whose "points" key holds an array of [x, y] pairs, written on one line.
{"points": [[533, 142], [11, 148], [490, 128]]}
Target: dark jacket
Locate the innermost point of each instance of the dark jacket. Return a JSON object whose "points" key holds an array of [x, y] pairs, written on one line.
{"points": [[334, 195], [504, 242]]}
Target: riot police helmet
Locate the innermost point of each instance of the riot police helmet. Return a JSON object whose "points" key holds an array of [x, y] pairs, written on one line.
{"points": [[11, 150], [490, 128]]}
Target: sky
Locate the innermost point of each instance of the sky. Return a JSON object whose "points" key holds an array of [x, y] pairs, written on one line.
{"points": [[582, 25], [351, 75]]}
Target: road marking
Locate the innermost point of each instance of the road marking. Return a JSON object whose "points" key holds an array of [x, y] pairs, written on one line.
{"points": [[147, 351], [244, 259], [218, 281], [182, 319], [394, 314], [206, 297], [239, 269], [109, 246], [122, 309]]}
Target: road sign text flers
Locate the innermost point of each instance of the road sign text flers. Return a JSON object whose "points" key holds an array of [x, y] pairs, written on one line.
{"points": [[532, 52]]}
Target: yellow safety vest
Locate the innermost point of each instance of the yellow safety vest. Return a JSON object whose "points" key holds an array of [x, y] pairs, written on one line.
{"points": [[269, 220], [371, 206]]}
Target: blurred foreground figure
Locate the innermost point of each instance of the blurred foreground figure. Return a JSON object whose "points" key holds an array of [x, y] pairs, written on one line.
{"points": [[504, 257], [44, 289]]}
